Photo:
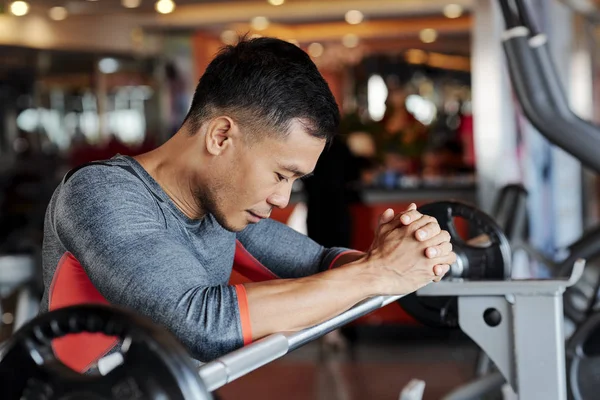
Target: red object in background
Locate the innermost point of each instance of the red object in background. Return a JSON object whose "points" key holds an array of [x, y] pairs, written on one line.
{"points": [[466, 137]]}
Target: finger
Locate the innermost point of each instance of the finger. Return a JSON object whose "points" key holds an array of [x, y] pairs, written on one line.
{"points": [[440, 250], [404, 218], [423, 234], [386, 217], [430, 230], [440, 270], [409, 216], [447, 259], [441, 237]]}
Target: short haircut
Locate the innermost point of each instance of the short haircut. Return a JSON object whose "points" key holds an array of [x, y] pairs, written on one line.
{"points": [[264, 84]]}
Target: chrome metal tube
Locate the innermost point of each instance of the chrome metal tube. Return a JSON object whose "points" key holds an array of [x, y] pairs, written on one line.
{"points": [[238, 363]]}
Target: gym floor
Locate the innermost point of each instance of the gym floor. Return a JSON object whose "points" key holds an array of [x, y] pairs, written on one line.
{"points": [[384, 362]]}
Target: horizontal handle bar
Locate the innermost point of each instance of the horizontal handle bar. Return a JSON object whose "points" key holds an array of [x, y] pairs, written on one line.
{"points": [[240, 362]]}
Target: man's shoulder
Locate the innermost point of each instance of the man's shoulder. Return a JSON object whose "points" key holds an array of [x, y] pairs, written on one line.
{"points": [[103, 180], [102, 170]]}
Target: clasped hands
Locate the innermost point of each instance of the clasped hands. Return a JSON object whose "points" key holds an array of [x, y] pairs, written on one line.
{"points": [[409, 250]]}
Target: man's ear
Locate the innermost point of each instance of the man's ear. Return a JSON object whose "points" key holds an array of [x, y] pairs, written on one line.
{"points": [[218, 135]]}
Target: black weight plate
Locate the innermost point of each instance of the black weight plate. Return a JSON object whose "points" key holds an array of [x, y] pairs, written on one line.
{"points": [[155, 365], [489, 262]]}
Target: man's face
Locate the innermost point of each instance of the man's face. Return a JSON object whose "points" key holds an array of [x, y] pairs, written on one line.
{"points": [[248, 180]]}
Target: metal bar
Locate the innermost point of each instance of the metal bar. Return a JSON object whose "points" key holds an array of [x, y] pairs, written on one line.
{"points": [[539, 353], [494, 288], [238, 363], [496, 341], [299, 339], [509, 16]]}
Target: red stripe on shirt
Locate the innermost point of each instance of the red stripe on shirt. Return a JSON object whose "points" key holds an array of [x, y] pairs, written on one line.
{"points": [[71, 286], [245, 264]]}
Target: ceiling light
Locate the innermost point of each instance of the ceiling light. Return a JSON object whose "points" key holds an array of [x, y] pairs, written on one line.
{"points": [[294, 41], [354, 17], [350, 40], [58, 13], [108, 65], [259, 23], [131, 3], [164, 6], [229, 36], [453, 11], [428, 35], [276, 2], [315, 49], [19, 8], [256, 36]]}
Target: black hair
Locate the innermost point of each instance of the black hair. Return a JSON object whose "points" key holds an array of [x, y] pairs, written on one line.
{"points": [[264, 84]]}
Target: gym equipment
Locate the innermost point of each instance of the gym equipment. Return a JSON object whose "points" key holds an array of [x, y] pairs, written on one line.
{"points": [[583, 360], [155, 365], [517, 323], [17, 273], [544, 103], [538, 87], [486, 257]]}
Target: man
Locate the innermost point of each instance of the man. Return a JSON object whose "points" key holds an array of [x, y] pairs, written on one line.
{"points": [[159, 233]]}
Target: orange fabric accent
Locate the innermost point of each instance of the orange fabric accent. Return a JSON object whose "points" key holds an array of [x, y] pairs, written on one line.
{"points": [[245, 264], [71, 286], [236, 278], [244, 313], [341, 254]]}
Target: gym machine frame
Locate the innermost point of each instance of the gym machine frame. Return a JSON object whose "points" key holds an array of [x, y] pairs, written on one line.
{"points": [[526, 342]]}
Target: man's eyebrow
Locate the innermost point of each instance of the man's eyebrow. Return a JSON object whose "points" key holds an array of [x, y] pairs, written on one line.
{"points": [[296, 171]]}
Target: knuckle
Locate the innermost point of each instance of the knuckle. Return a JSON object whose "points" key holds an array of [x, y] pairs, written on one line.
{"points": [[429, 219], [412, 228]]}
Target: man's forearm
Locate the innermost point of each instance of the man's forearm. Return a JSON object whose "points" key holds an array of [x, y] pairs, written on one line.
{"points": [[294, 304], [348, 257]]}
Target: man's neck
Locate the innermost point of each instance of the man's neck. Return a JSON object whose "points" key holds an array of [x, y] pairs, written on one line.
{"points": [[167, 170]]}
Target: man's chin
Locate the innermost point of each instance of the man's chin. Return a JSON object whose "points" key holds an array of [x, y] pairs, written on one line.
{"points": [[238, 225], [234, 228]]}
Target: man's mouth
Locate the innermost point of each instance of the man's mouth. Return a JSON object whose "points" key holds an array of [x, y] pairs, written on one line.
{"points": [[258, 215]]}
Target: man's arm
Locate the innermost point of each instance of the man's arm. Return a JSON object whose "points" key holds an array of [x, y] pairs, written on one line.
{"points": [[288, 253], [111, 224], [294, 304]]}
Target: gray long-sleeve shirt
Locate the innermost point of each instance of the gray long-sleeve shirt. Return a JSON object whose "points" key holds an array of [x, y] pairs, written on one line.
{"points": [[112, 235]]}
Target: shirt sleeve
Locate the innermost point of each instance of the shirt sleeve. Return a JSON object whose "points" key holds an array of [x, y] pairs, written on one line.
{"points": [[112, 225], [286, 252]]}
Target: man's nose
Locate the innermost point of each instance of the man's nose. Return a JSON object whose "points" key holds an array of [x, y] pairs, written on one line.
{"points": [[281, 198]]}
